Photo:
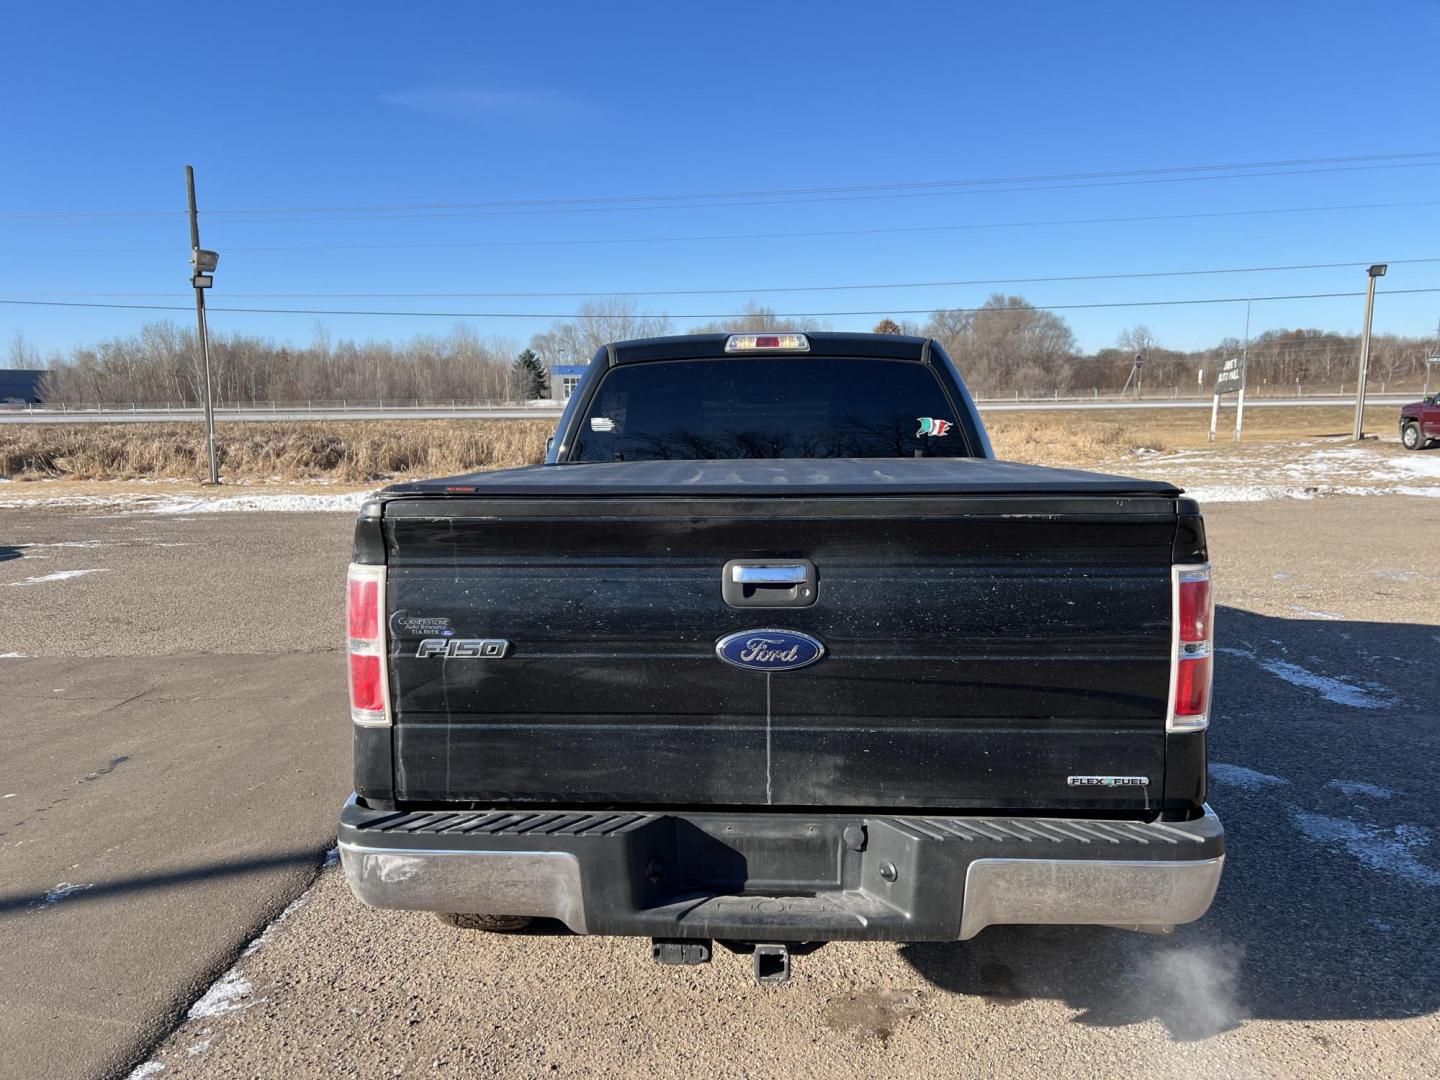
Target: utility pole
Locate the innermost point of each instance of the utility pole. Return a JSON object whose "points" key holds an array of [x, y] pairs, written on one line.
{"points": [[1432, 359], [1376, 271], [202, 264], [1244, 373]]}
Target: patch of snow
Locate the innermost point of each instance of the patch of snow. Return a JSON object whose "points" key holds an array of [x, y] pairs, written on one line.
{"points": [[287, 503], [1419, 466], [1311, 614], [195, 1049], [1241, 777], [1397, 575], [1333, 690], [11, 655], [226, 994], [1427, 492], [263, 938], [144, 1069], [1235, 493], [1304, 470], [10, 796], [1359, 787], [58, 575], [64, 889], [1390, 851], [180, 505]]}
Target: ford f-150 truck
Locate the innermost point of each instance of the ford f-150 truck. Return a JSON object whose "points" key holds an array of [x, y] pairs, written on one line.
{"points": [[772, 651]]}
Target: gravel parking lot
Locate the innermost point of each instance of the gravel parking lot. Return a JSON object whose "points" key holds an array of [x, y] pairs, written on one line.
{"points": [[177, 750]]}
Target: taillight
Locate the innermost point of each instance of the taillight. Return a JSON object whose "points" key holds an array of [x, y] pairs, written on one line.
{"points": [[1193, 634], [364, 617]]}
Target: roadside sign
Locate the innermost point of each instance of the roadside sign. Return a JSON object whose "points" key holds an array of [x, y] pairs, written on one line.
{"points": [[1433, 359], [1231, 378]]}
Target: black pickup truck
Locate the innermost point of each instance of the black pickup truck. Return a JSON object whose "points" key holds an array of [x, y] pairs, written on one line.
{"points": [[772, 651]]}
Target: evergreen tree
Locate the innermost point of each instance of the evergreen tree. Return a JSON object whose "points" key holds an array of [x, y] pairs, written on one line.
{"points": [[529, 376]]}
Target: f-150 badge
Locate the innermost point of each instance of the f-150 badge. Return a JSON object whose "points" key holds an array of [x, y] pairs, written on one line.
{"points": [[931, 426], [463, 648]]}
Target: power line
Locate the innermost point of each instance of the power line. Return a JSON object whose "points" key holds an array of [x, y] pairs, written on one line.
{"points": [[768, 192], [712, 237], [448, 214], [713, 315], [753, 289]]}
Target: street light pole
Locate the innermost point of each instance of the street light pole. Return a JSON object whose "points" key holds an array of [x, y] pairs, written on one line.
{"points": [[202, 261], [1376, 271]]}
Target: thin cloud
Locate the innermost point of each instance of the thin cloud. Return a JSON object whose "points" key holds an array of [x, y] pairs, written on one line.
{"points": [[472, 102]]}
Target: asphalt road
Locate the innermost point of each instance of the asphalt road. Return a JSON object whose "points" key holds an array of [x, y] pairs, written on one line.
{"points": [[174, 752], [188, 770], [142, 414]]}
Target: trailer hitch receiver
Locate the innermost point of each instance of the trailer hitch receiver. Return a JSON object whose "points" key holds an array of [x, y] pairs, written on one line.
{"points": [[772, 963]]}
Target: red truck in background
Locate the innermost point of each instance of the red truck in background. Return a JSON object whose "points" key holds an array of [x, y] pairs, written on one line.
{"points": [[1420, 423]]}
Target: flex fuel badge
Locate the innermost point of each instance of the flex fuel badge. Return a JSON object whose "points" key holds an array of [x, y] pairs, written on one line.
{"points": [[933, 427], [1108, 781]]}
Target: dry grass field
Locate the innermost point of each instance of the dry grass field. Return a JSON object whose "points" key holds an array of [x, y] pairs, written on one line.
{"points": [[1089, 438], [364, 452]]}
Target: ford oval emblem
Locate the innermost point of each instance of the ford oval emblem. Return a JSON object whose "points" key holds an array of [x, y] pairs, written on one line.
{"points": [[769, 650]]}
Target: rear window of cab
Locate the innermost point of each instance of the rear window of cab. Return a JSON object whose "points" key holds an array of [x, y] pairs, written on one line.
{"points": [[769, 407]]}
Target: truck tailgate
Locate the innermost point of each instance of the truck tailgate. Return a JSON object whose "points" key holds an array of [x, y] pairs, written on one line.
{"points": [[981, 649]]}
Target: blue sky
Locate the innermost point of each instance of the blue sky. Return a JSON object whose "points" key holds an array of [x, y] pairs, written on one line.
{"points": [[327, 105]]}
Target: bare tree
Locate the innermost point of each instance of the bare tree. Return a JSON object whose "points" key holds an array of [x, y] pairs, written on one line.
{"points": [[1008, 345], [596, 323], [21, 353], [754, 319]]}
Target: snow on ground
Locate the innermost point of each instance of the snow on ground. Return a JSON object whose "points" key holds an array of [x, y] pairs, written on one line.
{"points": [[289, 501], [1359, 787], [1299, 470], [64, 889], [1311, 613], [226, 994], [232, 991], [1391, 851], [58, 575], [1241, 777], [1331, 689]]}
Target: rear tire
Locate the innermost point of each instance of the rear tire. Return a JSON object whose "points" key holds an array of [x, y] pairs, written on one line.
{"points": [[1412, 438], [495, 924]]}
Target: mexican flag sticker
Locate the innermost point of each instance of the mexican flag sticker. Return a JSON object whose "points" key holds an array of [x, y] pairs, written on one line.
{"points": [[930, 426]]}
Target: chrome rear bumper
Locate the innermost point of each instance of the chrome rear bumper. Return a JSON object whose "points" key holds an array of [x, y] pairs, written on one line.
{"points": [[810, 878]]}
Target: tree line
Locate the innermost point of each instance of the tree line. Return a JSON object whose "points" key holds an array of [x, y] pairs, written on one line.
{"points": [[1006, 347]]}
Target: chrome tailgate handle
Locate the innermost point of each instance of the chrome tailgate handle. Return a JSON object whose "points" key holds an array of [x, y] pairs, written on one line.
{"points": [[791, 574], [769, 583]]}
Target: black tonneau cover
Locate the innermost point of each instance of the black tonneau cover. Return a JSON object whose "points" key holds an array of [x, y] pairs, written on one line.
{"points": [[783, 477]]}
